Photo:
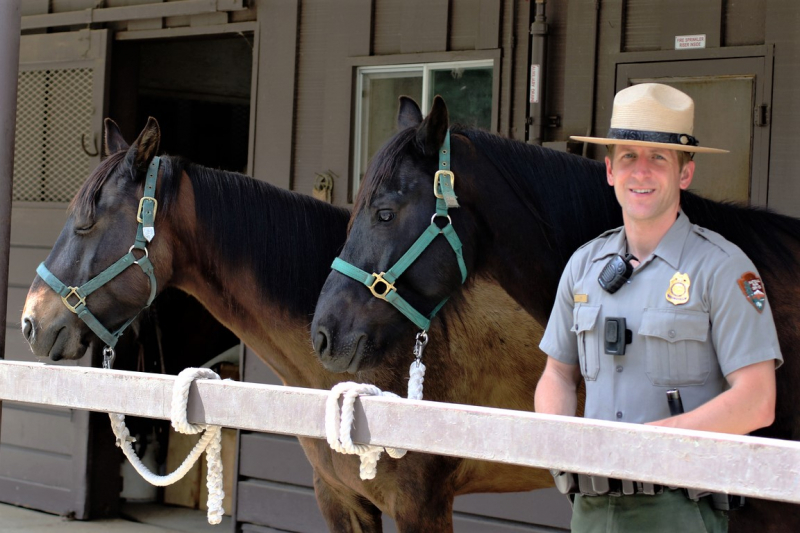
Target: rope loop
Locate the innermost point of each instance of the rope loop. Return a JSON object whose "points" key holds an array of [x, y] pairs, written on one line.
{"points": [[210, 442], [339, 424]]}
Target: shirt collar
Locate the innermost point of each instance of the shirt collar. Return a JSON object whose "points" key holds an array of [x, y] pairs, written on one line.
{"points": [[669, 249]]}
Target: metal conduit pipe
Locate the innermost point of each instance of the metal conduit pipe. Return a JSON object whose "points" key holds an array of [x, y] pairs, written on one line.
{"points": [[536, 100], [10, 21]]}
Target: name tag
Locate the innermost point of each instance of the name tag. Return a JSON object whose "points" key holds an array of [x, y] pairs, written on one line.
{"points": [[581, 298]]}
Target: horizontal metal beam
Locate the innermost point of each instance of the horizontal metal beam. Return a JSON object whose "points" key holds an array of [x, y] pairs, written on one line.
{"points": [[750, 466], [137, 12]]}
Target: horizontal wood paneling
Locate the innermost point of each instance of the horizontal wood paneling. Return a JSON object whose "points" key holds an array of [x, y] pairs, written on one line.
{"points": [[275, 458], [37, 226], [744, 22], [14, 305], [283, 507], [22, 264], [53, 500], [26, 465], [37, 429]]}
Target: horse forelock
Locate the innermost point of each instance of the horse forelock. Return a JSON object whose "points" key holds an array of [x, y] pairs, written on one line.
{"points": [[83, 204], [382, 167]]}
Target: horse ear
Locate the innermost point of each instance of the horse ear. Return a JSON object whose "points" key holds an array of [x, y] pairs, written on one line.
{"points": [[432, 131], [409, 114], [145, 147], [112, 139]]}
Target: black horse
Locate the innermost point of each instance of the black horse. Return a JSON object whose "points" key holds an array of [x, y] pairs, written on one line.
{"points": [[256, 257], [523, 211]]}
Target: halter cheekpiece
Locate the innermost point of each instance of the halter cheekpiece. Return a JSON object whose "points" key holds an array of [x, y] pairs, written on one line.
{"points": [[74, 298]]}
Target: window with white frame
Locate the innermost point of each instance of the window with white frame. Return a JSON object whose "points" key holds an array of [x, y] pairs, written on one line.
{"points": [[466, 87]]}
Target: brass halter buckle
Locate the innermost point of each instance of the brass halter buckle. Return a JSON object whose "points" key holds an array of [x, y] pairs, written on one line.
{"points": [[379, 279], [81, 300], [436, 181], [141, 205]]}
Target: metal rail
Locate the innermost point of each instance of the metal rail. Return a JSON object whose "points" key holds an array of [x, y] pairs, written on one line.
{"points": [[750, 466]]}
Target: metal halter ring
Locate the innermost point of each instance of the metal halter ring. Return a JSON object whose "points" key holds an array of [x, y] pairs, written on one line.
{"points": [[146, 253], [449, 220]]}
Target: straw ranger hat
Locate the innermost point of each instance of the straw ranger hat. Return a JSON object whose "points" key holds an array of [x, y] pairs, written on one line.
{"points": [[652, 114]]}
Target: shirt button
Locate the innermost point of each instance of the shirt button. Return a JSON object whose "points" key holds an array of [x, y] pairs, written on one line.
{"points": [[619, 414], [619, 368], [671, 334]]}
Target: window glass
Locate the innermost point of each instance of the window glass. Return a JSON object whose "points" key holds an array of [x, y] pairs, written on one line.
{"points": [[466, 86], [467, 91], [378, 108]]}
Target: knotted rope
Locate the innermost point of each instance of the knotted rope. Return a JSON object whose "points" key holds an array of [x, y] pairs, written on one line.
{"points": [[210, 442], [338, 426]]}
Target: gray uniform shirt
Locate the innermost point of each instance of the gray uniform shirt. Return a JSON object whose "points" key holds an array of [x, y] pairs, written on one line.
{"points": [[696, 309]]}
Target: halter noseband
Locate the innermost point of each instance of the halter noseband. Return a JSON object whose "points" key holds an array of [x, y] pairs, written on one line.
{"points": [[382, 285], [144, 233]]}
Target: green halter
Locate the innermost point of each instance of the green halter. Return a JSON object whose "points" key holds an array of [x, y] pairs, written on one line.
{"points": [[382, 285], [144, 233]]}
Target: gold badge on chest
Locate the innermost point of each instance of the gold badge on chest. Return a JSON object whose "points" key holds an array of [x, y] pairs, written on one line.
{"points": [[678, 292]]}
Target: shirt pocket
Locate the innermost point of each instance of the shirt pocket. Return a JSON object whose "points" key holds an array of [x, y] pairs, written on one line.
{"points": [[585, 327], [677, 351]]}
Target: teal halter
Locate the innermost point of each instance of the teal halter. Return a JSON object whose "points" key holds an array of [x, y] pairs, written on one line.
{"points": [[382, 285], [144, 233]]}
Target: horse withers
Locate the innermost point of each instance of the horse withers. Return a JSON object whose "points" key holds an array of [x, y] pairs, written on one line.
{"points": [[522, 211], [256, 257]]}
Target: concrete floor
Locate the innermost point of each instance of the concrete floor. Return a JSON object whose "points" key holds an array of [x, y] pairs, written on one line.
{"points": [[137, 518]]}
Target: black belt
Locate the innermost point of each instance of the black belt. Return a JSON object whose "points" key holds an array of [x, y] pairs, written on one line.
{"points": [[586, 485], [571, 483]]}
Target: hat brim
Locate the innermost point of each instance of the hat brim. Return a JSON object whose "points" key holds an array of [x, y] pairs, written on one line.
{"points": [[668, 146]]}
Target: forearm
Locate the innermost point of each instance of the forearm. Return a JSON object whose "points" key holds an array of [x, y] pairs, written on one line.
{"points": [[557, 392], [748, 405]]}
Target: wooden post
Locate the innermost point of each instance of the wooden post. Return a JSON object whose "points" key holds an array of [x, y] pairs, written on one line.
{"points": [[9, 67]]}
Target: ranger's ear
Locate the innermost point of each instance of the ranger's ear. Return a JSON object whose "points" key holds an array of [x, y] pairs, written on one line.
{"points": [[145, 147], [112, 139], [432, 131], [408, 114]]}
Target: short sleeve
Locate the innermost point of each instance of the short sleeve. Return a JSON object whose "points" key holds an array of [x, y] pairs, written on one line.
{"points": [[559, 342], [742, 326]]}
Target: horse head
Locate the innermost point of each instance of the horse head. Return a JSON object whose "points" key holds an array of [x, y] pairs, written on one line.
{"points": [[373, 298], [75, 281]]}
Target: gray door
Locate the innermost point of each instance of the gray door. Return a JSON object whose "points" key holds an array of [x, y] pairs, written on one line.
{"points": [[44, 451], [732, 99]]}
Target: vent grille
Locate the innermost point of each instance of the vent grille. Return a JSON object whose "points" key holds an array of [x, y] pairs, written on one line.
{"points": [[54, 109]]}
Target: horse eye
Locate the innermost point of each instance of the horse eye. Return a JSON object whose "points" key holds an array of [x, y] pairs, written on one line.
{"points": [[385, 215], [84, 228]]}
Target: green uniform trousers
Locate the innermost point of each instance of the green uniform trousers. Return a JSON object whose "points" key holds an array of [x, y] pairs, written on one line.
{"points": [[669, 512]]}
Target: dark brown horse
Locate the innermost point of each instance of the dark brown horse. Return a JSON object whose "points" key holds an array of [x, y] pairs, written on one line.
{"points": [[256, 256], [523, 211]]}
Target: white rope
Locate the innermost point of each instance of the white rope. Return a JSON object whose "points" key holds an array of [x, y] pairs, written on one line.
{"points": [[339, 424], [210, 441]]}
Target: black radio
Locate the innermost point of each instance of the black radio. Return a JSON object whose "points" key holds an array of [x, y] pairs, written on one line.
{"points": [[616, 272]]}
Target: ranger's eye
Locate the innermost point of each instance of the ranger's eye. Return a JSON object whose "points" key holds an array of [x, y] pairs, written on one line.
{"points": [[385, 215]]}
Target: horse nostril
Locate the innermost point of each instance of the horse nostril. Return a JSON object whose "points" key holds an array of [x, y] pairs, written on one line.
{"points": [[27, 329], [321, 345]]}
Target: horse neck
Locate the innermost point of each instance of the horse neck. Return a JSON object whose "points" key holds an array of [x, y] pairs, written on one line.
{"points": [[266, 292], [534, 207]]}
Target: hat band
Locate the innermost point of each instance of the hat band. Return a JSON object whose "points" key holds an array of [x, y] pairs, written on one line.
{"points": [[652, 136]]}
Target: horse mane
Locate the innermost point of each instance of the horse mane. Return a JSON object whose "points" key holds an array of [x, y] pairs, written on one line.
{"points": [[248, 222], [762, 234], [570, 198], [568, 194]]}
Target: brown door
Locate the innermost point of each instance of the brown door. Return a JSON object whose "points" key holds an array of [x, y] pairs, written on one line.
{"points": [[731, 103]]}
